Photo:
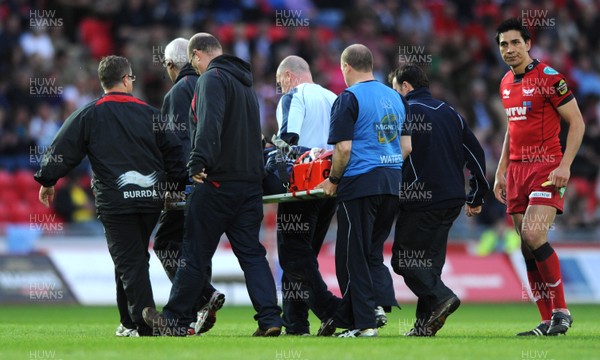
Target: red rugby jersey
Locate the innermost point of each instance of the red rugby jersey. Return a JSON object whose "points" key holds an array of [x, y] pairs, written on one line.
{"points": [[530, 101]]}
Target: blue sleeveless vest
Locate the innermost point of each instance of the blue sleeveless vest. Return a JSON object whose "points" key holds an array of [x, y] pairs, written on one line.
{"points": [[376, 141]]}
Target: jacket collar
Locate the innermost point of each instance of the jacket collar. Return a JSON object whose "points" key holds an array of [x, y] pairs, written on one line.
{"points": [[186, 70], [419, 93]]}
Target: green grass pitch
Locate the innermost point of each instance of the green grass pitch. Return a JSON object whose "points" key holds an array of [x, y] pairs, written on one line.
{"points": [[480, 332]]}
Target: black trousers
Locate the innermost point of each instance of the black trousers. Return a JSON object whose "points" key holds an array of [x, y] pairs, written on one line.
{"points": [[365, 282], [167, 247], [168, 239], [301, 229], [128, 236], [234, 209], [419, 254]]}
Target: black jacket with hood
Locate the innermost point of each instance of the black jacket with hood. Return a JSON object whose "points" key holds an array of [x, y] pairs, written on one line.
{"points": [[227, 142]]}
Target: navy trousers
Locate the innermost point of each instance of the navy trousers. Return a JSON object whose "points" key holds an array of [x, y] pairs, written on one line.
{"points": [[234, 209], [301, 229], [419, 254], [167, 247], [365, 282], [168, 240]]}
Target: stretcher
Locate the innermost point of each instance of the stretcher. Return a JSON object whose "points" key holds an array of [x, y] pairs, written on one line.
{"points": [[277, 198], [294, 196]]}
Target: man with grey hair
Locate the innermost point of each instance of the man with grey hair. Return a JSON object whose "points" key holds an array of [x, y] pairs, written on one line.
{"points": [[226, 164], [128, 159], [175, 113], [303, 119], [176, 58], [367, 128]]}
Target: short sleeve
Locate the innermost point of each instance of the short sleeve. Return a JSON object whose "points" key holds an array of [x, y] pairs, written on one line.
{"points": [[559, 93], [344, 114], [406, 128]]}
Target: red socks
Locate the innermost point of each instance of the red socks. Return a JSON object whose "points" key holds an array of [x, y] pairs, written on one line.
{"points": [[548, 267], [540, 296]]}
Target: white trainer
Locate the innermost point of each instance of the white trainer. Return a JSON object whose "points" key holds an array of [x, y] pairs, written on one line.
{"points": [[353, 333], [122, 331]]}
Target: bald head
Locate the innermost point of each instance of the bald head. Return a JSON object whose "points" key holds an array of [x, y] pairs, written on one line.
{"points": [[176, 52], [202, 48], [357, 64], [359, 57], [294, 64], [292, 72], [204, 42]]}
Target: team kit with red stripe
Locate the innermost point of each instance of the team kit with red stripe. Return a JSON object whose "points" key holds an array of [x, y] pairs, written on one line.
{"points": [[129, 159], [530, 101], [126, 175]]}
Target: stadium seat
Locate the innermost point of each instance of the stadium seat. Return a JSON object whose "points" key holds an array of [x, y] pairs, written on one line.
{"points": [[4, 212], [6, 180], [37, 207], [9, 196], [31, 197], [24, 181], [21, 212]]}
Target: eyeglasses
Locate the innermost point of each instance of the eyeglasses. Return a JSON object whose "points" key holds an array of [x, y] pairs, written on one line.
{"points": [[166, 63], [131, 77]]}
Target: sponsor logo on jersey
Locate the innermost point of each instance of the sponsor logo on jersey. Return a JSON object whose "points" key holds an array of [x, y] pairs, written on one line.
{"points": [[540, 194], [135, 178], [391, 159], [505, 93], [518, 113], [528, 92], [561, 87], [387, 129], [550, 71], [134, 194]]}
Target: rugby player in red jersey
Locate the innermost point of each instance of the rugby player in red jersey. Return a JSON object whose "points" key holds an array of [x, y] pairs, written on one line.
{"points": [[533, 171]]}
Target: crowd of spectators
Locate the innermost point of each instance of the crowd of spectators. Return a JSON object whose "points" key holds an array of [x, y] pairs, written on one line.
{"points": [[49, 52]]}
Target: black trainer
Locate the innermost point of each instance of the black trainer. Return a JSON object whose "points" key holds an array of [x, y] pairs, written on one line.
{"points": [[559, 324], [207, 315], [291, 333], [270, 332], [380, 317], [540, 330], [162, 326], [327, 328], [440, 314]]}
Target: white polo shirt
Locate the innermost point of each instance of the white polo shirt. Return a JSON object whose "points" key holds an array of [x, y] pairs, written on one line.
{"points": [[305, 110]]}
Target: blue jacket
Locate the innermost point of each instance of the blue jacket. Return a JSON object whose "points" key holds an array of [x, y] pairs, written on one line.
{"points": [[442, 144]]}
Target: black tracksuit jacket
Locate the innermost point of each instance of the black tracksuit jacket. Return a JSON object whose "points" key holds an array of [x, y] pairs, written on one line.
{"points": [[227, 142], [176, 106], [442, 144], [128, 154]]}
